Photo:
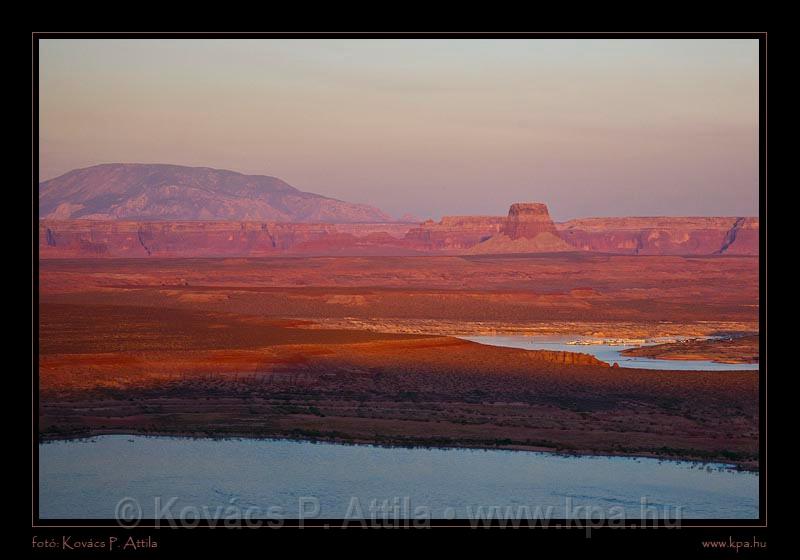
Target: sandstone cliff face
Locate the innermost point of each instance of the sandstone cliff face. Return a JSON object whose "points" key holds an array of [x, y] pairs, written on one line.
{"points": [[454, 233], [155, 192], [528, 220], [527, 229], [568, 358], [87, 238], [742, 238], [663, 235]]}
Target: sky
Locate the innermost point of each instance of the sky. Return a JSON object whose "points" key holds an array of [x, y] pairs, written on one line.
{"points": [[434, 127]]}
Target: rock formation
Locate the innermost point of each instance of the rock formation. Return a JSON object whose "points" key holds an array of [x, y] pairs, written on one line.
{"points": [[527, 229], [663, 235], [569, 358], [454, 233], [107, 238], [528, 220]]}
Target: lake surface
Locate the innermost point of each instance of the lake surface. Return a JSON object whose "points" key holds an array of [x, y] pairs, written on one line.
{"points": [[183, 478], [608, 353]]}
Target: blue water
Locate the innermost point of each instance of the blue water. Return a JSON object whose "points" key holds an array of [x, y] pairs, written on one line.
{"points": [[608, 353], [183, 478]]}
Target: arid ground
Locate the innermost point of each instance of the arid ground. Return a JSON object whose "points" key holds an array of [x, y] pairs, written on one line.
{"points": [[360, 349]]}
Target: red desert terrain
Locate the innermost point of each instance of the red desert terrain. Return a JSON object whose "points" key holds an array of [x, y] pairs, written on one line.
{"points": [[356, 349], [178, 300]]}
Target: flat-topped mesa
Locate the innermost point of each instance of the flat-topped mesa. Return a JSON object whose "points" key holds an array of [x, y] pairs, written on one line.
{"points": [[664, 235], [527, 220], [135, 239]]}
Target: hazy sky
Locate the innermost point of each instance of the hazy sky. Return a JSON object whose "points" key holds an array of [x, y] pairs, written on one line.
{"points": [[429, 127]]}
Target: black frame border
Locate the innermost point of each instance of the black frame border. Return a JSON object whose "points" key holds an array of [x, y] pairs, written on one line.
{"points": [[569, 525]]}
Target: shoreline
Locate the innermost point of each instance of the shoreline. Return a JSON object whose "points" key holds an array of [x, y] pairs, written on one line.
{"points": [[738, 466], [360, 386], [459, 329], [736, 350]]}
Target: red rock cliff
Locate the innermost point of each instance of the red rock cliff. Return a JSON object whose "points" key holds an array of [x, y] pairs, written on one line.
{"points": [[88, 238], [527, 229], [663, 235], [454, 233]]}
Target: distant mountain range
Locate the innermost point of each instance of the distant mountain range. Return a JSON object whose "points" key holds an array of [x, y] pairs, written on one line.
{"points": [[156, 192]]}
